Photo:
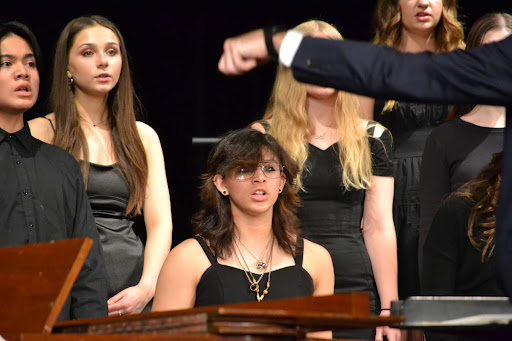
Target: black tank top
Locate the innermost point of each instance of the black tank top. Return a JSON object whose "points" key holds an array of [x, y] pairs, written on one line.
{"points": [[222, 284]]}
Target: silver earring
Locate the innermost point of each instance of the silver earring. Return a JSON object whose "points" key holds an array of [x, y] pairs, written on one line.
{"points": [[71, 81]]}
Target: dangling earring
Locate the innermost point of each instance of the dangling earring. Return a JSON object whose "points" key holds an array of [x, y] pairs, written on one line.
{"points": [[71, 81]]}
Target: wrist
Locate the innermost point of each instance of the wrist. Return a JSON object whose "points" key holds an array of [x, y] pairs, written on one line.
{"points": [[269, 33]]}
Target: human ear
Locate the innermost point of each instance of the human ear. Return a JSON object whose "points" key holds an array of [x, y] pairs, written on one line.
{"points": [[218, 181]]}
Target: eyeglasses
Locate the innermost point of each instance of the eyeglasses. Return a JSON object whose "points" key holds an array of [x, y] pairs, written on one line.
{"points": [[270, 169]]}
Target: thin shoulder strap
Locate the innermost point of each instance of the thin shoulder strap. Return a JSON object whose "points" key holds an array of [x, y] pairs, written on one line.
{"points": [[51, 123], [206, 249], [299, 253]]}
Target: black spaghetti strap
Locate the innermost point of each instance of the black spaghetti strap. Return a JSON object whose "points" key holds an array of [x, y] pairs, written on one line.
{"points": [[51, 123], [299, 254], [206, 249]]}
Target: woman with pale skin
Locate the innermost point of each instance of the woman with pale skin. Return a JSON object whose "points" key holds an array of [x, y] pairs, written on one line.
{"points": [[345, 183], [121, 159], [247, 246], [457, 150], [411, 26]]}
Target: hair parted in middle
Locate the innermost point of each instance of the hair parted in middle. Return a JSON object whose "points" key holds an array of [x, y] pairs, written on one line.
{"points": [[214, 220], [123, 106], [290, 125]]}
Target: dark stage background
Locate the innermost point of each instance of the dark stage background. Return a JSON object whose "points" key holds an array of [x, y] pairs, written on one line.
{"points": [[174, 48]]}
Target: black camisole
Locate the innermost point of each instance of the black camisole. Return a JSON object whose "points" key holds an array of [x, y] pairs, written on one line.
{"points": [[222, 284]]}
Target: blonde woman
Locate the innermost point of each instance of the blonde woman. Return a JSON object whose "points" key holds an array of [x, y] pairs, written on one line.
{"points": [[411, 26], [345, 182]]}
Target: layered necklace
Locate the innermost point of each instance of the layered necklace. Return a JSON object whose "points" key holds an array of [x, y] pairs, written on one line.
{"points": [[254, 284], [260, 264]]}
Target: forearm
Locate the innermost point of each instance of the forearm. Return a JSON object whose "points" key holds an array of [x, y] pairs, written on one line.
{"points": [[158, 245], [381, 246]]}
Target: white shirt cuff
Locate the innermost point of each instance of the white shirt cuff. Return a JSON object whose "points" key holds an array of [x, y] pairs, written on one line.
{"points": [[289, 47]]}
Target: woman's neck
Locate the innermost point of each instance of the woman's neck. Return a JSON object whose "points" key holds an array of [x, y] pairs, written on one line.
{"points": [[321, 111], [486, 116], [253, 231], [417, 41], [92, 109]]}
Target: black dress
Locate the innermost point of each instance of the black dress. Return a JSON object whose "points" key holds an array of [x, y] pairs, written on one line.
{"points": [[453, 267], [123, 250], [410, 124], [455, 153], [331, 217], [223, 284]]}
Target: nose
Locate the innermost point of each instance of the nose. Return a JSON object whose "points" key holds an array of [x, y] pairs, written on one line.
{"points": [[22, 72], [258, 175], [102, 60], [423, 3]]}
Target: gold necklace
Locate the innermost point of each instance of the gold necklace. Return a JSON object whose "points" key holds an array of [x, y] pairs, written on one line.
{"points": [[260, 264], [254, 284]]}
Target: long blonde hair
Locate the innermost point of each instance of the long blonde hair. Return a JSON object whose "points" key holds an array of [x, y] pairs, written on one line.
{"points": [[387, 19], [291, 127]]}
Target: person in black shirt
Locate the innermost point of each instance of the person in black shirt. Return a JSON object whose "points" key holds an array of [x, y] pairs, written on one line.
{"points": [[42, 196]]}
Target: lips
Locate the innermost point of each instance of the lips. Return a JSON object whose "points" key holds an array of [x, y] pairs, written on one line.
{"points": [[25, 87], [103, 75]]}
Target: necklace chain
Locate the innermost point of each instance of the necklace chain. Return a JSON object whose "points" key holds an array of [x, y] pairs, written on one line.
{"points": [[320, 136], [260, 264], [92, 123], [254, 284]]}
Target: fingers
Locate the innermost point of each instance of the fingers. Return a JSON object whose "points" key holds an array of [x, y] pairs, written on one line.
{"points": [[243, 53]]}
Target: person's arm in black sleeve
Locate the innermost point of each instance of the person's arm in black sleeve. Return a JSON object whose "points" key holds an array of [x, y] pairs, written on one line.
{"points": [[480, 76]]}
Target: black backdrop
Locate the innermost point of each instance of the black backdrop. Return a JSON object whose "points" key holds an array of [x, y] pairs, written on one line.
{"points": [[174, 47]]}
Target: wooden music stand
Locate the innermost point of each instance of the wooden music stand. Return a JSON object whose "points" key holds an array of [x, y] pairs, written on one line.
{"points": [[35, 283]]}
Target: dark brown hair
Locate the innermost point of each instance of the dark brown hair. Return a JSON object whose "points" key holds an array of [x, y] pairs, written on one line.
{"points": [[122, 106], [214, 221], [488, 22], [14, 28], [483, 192]]}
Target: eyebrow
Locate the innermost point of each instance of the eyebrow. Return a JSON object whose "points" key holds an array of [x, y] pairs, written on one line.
{"points": [[110, 43], [11, 56]]}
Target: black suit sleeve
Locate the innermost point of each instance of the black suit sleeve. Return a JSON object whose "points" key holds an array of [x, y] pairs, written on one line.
{"points": [[480, 76]]}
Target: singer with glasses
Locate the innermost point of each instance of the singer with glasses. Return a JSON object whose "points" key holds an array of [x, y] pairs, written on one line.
{"points": [[247, 246]]}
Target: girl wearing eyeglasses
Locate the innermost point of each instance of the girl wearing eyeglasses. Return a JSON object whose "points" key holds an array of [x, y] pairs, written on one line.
{"points": [[247, 246]]}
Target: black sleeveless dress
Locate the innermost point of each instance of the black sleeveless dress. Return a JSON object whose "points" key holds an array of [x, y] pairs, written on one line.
{"points": [[123, 250], [222, 284], [410, 124]]}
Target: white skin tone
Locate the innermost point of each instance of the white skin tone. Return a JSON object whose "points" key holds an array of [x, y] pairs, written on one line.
{"points": [[488, 115], [95, 64], [252, 213], [419, 19], [19, 82], [378, 227]]}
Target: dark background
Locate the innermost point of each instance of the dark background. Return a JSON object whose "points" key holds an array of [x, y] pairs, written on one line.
{"points": [[174, 48]]}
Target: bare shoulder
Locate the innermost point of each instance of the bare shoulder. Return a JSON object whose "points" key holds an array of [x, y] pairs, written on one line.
{"points": [[379, 129], [188, 255], [262, 126], [146, 132], [42, 128], [315, 250]]}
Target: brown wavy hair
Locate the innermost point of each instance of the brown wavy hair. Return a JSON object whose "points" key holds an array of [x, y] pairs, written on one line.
{"points": [[488, 22], [387, 20], [483, 191], [214, 221], [122, 104]]}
